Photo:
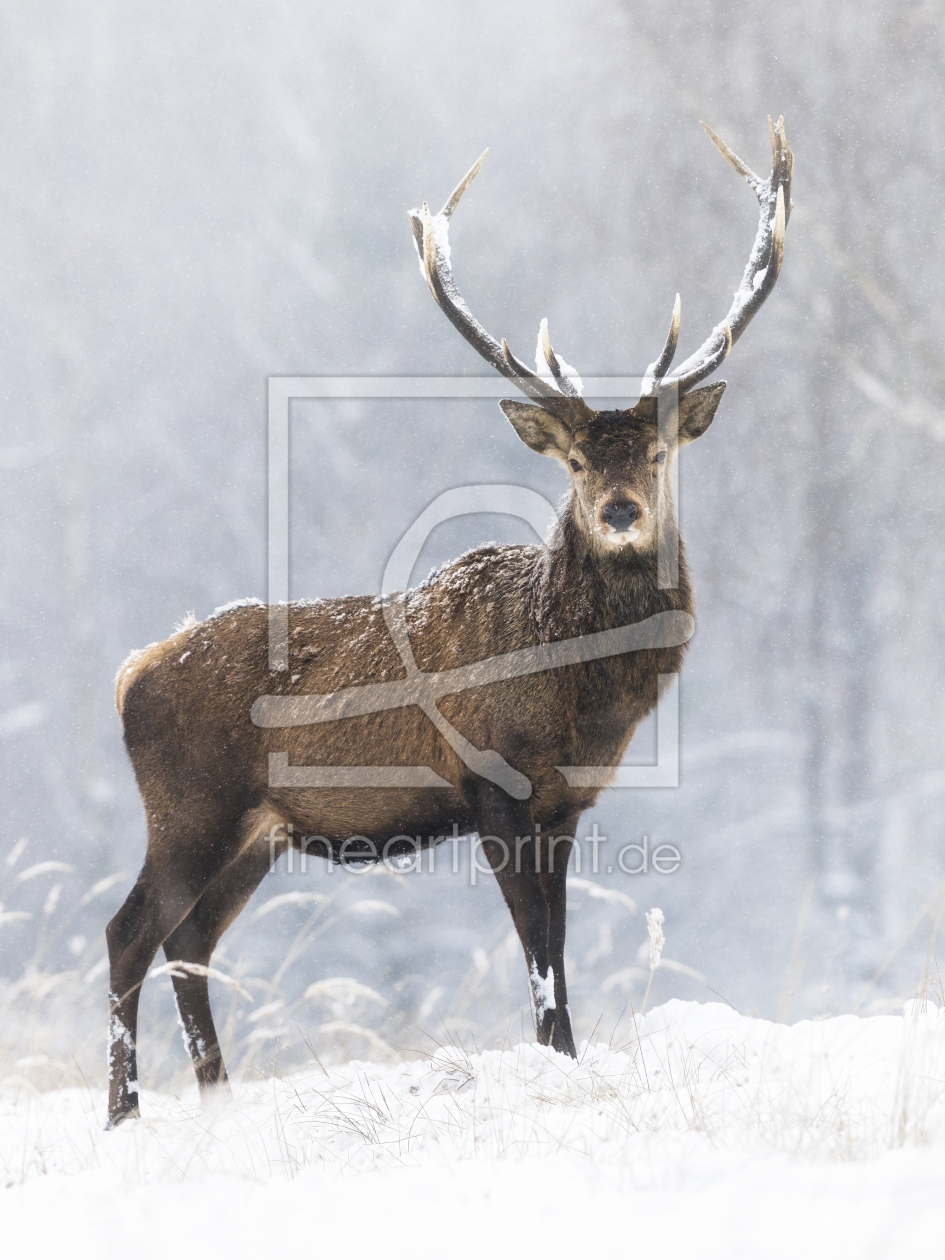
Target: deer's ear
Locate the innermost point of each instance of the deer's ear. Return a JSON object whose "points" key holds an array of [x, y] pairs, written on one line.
{"points": [[697, 411], [538, 428]]}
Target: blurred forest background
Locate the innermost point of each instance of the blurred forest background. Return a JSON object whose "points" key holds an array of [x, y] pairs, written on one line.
{"points": [[198, 196]]}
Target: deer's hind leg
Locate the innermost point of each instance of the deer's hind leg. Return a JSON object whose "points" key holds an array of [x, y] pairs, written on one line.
{"points": [[194, 941], [187, 849]]}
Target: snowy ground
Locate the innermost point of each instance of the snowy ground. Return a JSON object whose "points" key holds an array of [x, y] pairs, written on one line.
{"points": [[708, 1134]]}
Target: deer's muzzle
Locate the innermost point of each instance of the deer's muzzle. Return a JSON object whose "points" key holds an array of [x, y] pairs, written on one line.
{"points": [[621, 516]]}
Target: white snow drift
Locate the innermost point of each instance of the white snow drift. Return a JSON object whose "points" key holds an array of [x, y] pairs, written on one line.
{"points": [[706, 1133]]}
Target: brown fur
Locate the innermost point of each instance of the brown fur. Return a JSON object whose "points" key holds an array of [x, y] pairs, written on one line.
{"points": [[202, 766], [137, 661]]}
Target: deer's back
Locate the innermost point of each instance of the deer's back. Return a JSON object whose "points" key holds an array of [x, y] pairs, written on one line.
{"points": [[187, 701]]}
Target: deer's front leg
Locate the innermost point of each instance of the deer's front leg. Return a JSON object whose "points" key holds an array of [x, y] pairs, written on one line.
{"points": [[554, 854], [503, 825]]}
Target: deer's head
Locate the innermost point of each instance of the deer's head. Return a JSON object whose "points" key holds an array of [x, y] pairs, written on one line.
{"points": [[618, 460]]}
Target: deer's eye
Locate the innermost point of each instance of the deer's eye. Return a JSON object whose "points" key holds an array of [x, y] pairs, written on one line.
{"points": [[660, 457], [575, 465]]}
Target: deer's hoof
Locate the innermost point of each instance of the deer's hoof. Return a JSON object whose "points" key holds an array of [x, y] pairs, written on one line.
{"points": [[116, 1118]]}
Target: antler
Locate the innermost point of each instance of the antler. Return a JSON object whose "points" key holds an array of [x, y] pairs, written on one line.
{"points": [[431, 237], [560, 393], [761, 273]]}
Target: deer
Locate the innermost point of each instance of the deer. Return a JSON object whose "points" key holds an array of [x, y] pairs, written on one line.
{"points": [[203, 712]]}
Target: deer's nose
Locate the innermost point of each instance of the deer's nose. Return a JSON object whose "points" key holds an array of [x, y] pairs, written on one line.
{"points": [[620, 516]]}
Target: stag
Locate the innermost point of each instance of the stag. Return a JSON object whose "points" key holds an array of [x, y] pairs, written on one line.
{"points": [[202, 711]]}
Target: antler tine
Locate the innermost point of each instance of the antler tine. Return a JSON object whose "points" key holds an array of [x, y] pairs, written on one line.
{"points": [[431, 236], [732, 158], [565, 384], [781, 157], [656, 371], [453, 199], [517, 366], [764, 261]]}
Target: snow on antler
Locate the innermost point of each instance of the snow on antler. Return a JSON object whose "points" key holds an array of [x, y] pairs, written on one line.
{"points": [[760, 275]]}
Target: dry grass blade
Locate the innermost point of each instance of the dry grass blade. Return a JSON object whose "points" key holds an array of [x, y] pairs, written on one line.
{"points": [[181, 970]]}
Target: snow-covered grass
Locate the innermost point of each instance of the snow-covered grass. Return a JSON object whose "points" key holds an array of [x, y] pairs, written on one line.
{"points": [[695, 1132], [272, 989], [705, 1133]]}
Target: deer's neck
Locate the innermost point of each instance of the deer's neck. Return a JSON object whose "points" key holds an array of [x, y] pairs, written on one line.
{"points": [[583, 590]]}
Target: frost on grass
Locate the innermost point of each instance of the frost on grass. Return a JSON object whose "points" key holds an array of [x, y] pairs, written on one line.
{"points": [[843, 1089]]}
